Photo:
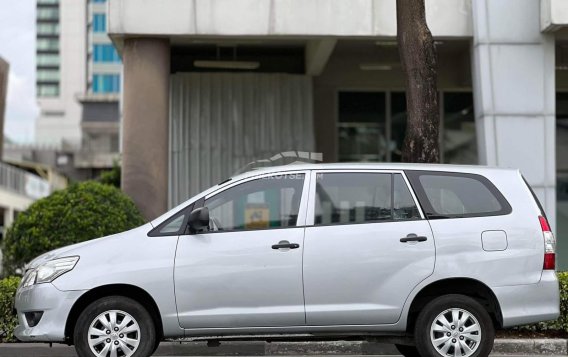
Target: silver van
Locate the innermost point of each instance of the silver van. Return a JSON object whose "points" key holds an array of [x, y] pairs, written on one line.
{"points": [[434, 257]]}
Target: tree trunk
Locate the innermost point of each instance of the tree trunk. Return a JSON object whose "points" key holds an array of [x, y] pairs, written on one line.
{"points": [[418, 58]]}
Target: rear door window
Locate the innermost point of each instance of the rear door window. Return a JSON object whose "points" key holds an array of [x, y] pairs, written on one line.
{"points": [[454, 195], [347, 197]]}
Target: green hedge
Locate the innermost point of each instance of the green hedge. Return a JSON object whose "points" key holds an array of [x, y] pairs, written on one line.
{"points": [[8, 320], [81, 212]]}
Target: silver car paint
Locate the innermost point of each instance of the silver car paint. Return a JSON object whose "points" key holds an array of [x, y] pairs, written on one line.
{"points": [[341, 261], [515, 274], [56, 305], [130, 258], [247, 282]]}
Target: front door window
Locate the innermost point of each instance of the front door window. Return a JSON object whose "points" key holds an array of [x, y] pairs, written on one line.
{"points": [[268, 202]]}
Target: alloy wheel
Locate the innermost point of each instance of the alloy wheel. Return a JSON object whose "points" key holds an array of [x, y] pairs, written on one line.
{"points": [[455, 332], [114, 333]]}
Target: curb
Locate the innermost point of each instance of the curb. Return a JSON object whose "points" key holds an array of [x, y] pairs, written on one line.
{"points": [[279, 348], [542, 346]]}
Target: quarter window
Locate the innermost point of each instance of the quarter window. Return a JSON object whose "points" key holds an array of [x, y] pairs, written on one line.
{"points": [[452, 195], [344, 198], [271, 202]]}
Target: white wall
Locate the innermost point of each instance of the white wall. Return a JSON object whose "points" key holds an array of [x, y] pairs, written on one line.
{"points": [[360, 18], [553, 14], [514, 92]]}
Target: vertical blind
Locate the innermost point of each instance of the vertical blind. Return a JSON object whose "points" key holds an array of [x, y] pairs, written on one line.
{"points": [[220, 122]]}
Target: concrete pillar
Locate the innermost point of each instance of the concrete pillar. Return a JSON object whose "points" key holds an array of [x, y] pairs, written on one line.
{"points": [[4, 71], [8, 217], [514, 93], [145, 123]]}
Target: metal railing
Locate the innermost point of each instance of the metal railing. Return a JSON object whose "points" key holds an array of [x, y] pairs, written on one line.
{"points": [[22, 182]]}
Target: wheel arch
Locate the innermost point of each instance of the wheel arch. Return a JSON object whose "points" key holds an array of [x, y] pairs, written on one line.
{"points": [[464, 286], [130, 291]]}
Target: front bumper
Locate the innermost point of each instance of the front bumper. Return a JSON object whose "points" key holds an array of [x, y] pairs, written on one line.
{"points": [[54, 303], [526, 304]]}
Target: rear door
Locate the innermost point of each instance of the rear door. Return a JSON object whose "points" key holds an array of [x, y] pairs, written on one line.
{"points": [[366, 247]]}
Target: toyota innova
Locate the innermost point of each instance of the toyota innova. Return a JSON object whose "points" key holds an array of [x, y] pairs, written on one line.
{"points": [[434, 257]]}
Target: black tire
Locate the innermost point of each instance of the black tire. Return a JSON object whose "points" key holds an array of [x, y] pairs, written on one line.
{"points": [[436, 307], [147, 336], [156, 345], [407, 350]]}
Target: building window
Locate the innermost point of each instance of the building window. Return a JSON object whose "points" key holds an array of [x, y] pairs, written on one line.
{"points": [[48, 29], [47, 2], [48, 59], [459, 144], [47, 90], [48, 75], [372, 126], [362, 126], [105, 53], [48, 44], [398, 125], [48, 13], [99, 23], [106, 83]]}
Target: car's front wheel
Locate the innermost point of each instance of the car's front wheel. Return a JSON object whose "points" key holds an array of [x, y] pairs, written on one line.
{"points": [[454, 325], [114, 326]]}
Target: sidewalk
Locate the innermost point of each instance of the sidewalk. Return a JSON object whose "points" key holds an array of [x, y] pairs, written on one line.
{"points": [[502, 346]]}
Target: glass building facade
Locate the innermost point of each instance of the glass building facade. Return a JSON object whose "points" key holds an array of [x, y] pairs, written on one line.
{"points": [[372, 127], [47, 48], [105, 64]]}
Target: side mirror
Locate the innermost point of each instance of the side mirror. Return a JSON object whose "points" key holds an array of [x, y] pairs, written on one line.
{"points": [[198, 220]]}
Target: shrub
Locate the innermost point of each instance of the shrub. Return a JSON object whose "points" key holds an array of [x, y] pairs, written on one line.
{"points": [[112, 176], [8, 320], [81, 212]]}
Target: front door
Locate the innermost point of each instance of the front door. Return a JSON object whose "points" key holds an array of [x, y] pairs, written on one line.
{"points": [[369, 246], [246, 271]]}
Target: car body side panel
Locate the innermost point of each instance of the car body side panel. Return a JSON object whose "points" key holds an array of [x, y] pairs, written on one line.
{"points": [[149, 267], [459, 247], [232, 279], [362, 273], [525, 304]]}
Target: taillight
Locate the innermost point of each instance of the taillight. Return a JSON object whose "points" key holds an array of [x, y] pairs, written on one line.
{"points": [[549, 245]]}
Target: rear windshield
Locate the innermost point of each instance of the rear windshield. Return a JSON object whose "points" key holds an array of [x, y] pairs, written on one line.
{"points": [[454, 195]]}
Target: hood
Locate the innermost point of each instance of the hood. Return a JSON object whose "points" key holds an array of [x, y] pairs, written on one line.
{"points": [[73, 249]]}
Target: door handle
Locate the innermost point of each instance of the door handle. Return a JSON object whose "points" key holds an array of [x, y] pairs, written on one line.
{"points": [[413, 238], [285, 244]]}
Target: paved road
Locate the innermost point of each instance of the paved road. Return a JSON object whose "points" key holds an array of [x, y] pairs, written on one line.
{"points": [[21, 350]]}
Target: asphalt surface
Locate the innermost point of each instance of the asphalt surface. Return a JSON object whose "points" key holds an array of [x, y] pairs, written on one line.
{"points": [[66, 351]]}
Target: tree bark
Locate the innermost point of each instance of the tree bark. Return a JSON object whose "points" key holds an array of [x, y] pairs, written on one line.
{"points": [[419, 63]]}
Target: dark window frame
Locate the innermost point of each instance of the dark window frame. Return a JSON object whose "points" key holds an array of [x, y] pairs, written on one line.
{"points": [[430, 212], [155, 232]]}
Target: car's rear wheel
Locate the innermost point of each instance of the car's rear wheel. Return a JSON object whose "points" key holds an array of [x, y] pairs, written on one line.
{"points": [[454, 325], [115, 326], [407, 351]]}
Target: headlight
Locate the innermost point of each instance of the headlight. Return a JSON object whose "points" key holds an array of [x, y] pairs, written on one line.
{"points": [[49, 271]]}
